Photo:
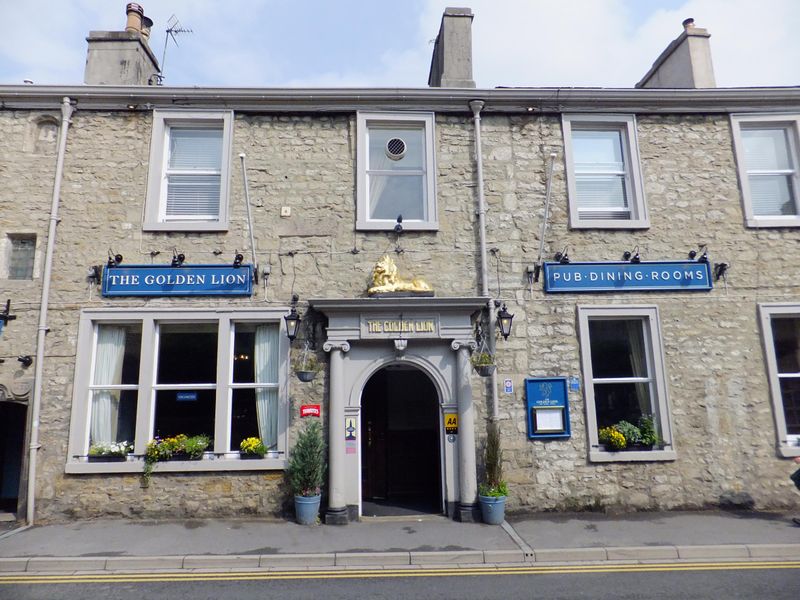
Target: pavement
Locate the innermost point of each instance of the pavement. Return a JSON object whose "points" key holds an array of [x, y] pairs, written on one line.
{"points": [[412, 542]]}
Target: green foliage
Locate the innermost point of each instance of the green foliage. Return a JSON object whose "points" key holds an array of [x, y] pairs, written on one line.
{"points": [[306, 470], [482, 359], [630, 431], [307, 361], [623, 434], [159, 449], [493, 463], [648, 430]]}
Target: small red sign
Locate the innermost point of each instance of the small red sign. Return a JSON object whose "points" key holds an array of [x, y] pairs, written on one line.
{"points": [[309, 410]]}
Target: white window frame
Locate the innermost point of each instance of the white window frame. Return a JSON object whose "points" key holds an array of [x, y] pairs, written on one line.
{"points": [[639, 218], [155, 203], [791, 122], [219, 458], [787, 446], [363, 122], [657, 380]]}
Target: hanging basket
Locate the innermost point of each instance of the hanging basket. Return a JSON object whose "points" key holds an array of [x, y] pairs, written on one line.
{"points": [[485, 370], [305, 376]]}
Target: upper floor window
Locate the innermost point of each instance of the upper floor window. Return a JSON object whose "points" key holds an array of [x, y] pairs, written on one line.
{"points": [[22, 253], [767, 154], [625, 385], [396, 171], [780, 325], [603, 176], [188, 178]]}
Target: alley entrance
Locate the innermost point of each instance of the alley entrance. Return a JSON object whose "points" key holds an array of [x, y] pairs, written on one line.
{"points": [[400, 454], [12, 433]]}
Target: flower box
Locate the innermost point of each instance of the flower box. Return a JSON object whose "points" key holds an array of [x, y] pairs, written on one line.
{"points": [[107, 458], [250, 456], [184, 456]]}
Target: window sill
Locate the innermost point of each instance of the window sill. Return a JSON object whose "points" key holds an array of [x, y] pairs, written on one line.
{"points": [[632, 456], [789, 451], [186, 226], [234, 463], [390, 225], [610, 224], [789, 221]]}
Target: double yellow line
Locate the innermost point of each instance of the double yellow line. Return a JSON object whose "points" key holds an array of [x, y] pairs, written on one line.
{"points": [[25, 579]]}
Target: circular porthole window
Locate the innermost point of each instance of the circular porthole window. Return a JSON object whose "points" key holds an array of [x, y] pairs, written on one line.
{"points": [[395, 148]]}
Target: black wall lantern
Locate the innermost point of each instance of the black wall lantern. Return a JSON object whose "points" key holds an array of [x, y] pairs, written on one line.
{"points": [[504, 319], [292, 320]]}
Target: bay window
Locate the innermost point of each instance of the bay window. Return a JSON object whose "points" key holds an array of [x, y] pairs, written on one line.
{"points": [[146, 374]]}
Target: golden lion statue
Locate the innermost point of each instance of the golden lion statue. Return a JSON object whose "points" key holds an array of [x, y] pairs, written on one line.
{"points": [[385, 279]]}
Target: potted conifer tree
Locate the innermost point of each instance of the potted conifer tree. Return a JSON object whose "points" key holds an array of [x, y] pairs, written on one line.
{"points": [[492, 492], [307, 471]]}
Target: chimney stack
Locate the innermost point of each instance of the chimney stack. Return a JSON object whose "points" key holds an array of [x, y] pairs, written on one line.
{"points": [[686, 62], [451, 64], [122, 57]]}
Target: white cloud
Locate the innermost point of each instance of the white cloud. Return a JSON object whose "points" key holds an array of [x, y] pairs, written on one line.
{"points": [[608, 43]]}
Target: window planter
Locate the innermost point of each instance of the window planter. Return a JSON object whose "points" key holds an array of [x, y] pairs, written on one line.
{"points": [[250, 456], [305, 376], [107, 458]]}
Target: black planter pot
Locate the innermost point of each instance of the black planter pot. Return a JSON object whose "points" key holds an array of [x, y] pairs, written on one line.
{"points": [[250, 456], [184, 456], [485, 370], [305, 376], [107, 458]]}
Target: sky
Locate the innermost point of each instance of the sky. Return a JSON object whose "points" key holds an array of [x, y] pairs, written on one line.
{"points": [[388, 43]]}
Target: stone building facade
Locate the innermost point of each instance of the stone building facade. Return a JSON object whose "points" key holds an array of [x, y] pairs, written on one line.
{"points": [[710, 364]]}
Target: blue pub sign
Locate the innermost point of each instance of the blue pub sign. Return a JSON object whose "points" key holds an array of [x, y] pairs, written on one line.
{"points": [[547, 406], [166, 280], [679, 275]]}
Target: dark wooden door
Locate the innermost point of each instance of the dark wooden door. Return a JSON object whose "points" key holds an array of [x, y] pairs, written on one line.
{"points": [[373, 436], [400, 440]]}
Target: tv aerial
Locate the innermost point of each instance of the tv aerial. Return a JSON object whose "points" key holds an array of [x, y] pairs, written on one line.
{"points": [[174, 28]]}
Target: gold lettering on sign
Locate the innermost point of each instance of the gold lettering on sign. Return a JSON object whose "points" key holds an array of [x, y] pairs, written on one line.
{"points": [[401, 326]]}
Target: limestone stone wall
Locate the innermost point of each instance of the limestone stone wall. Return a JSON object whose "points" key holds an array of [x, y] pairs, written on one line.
{"points": [[722, 419]]}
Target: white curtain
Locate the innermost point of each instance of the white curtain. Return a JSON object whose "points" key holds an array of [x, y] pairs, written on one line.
{"points": [[266, 367], [639, 364], [107, 371], [377, 183]]}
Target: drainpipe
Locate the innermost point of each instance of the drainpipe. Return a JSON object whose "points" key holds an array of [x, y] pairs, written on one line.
{"points": [[66, 113], [476, 106]]}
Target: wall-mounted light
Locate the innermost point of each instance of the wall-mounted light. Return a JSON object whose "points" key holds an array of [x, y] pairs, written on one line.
{"points": [[632, 256], [504, 319], [562, 257], [292, 320], [398, 227], [237, 260], [719, 270], [26, 360], [114, 260], [93, 274], [177, 259], [703, 257]]}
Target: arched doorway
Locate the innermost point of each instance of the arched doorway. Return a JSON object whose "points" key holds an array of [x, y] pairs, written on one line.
{"points": [[400, 448]]}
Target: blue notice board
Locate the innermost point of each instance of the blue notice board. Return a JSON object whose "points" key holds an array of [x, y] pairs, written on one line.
{"points": [[547, 404]]}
